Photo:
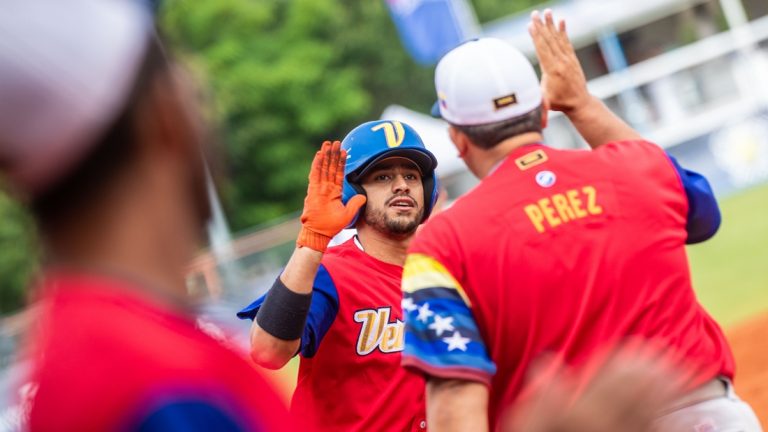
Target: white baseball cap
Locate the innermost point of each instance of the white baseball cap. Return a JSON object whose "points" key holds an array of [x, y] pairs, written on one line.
{"points": [[485, 81], [66, 70]]}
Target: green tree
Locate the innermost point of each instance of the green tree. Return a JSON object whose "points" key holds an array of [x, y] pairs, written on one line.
{"points": [[489, 10], [287, 75], [18, 257]]}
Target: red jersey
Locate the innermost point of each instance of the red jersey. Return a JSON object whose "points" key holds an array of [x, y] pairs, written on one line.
{"points": [[107, 355], [350, 378], [565, 252]]}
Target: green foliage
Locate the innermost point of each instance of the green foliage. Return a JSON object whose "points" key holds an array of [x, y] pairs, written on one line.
{"points": [[729, 270], [287, 75], [489, 10], [17, 254]]}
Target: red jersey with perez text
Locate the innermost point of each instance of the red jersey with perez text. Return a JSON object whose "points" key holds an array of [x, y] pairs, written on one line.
{"points": [[563, 252], [107, 355], [354, 382]]}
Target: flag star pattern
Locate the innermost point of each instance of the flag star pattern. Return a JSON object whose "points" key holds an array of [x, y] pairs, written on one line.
{"points": [[408, 305], [441, 325], [424, 312], [441, 335], [456, 341]]}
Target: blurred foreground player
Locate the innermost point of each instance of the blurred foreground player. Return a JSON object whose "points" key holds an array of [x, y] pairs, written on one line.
{"points": [[340, 307], [99, 135], [564, 253]]}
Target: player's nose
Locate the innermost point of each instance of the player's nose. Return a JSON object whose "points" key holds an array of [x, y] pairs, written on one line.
{"points": [[399, 185]]}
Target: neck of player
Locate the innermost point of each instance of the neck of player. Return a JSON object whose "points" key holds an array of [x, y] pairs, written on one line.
{"points": [[486, 160], [389, 248]]}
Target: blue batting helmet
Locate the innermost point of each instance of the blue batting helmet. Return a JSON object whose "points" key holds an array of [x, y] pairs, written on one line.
{"points": [[373, 141]]}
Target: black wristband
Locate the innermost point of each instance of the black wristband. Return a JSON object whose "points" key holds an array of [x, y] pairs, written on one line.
{"points": [[284, 312]]}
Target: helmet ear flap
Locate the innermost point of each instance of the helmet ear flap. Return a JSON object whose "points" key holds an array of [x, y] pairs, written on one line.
{"points": [[351, 189], [430, 195]]}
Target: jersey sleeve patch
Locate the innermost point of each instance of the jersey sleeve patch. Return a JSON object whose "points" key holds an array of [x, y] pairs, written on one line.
{"points": [[441, 336], [322, 312]]}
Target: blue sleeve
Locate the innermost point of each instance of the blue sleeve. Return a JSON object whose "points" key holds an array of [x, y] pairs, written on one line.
{"points": [[322, 312], [703, 212], [190, 416]]}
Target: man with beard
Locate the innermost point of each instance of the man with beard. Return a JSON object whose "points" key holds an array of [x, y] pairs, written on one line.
{"points": [[101, 136], [340, 308]]}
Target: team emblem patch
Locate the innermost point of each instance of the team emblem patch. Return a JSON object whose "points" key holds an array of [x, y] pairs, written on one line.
{"points": [[546, 178], [531, 159], [505, 101]]}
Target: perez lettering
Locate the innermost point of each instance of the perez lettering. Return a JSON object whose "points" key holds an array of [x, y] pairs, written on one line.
{"points": [[561, 208]]}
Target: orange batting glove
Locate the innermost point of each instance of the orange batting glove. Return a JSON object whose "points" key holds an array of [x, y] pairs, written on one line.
{"points": [[324, 214]]}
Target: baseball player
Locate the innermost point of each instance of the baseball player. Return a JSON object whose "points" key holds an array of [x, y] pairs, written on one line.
{"points": [[339, 307], [99, 135], [564, 252]]}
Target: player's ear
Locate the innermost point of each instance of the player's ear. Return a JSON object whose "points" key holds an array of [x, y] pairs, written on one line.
{"points": [[544, 113], [460, 140]]}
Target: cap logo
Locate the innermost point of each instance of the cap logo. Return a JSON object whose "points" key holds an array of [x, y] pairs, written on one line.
{"points": [[442, 98], [531, 159], [393, 132], [546, 178], [505, 101]]}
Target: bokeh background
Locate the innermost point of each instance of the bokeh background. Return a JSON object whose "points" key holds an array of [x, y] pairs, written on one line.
{"points": [[284, 75]]}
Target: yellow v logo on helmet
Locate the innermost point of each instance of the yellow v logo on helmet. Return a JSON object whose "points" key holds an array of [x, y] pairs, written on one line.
{"points": [[393, 132]]}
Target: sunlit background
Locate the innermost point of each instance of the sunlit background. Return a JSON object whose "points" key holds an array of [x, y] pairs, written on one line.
{"points": [[690, 75]]}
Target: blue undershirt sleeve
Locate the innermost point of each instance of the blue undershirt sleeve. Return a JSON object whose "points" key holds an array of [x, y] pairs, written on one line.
{"points": [[322, 312], [703, 211], [191, 416]]}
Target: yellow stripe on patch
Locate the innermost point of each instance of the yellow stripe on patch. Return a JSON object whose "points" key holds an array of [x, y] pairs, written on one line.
{"points": [[422, 271]]}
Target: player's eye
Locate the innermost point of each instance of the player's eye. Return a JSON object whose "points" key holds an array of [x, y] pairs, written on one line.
{"points": [[382, 177], [411, 177]]}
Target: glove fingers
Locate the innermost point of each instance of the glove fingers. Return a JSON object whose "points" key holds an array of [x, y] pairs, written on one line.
{"points": [[340, 169], [333, 162], [327, 149]]}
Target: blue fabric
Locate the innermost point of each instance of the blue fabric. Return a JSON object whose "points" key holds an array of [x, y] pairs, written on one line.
{"points": [[191, 416], [429, 28], [322, 312], [703, 211], [430, 342]]}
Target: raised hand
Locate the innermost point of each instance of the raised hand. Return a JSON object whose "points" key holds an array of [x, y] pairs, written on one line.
{"points": [[324, 214], [563, 82]]}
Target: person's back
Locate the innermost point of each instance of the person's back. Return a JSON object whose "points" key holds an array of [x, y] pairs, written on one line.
{"points": [[584, 250], [557, 254]]}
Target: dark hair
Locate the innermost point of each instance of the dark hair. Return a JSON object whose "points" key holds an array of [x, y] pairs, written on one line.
{"points": [[487, 135], [112, 152]]}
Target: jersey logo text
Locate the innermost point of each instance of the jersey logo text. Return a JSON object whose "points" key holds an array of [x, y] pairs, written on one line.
{"points": [[378, 332]]}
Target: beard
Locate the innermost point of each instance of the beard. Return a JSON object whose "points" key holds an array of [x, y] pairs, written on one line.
{"points": [[398, 226]]}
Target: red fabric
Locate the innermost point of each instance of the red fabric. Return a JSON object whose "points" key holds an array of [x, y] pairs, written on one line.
{"points": [[580, 286], [106, 354], [340, 389]]}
